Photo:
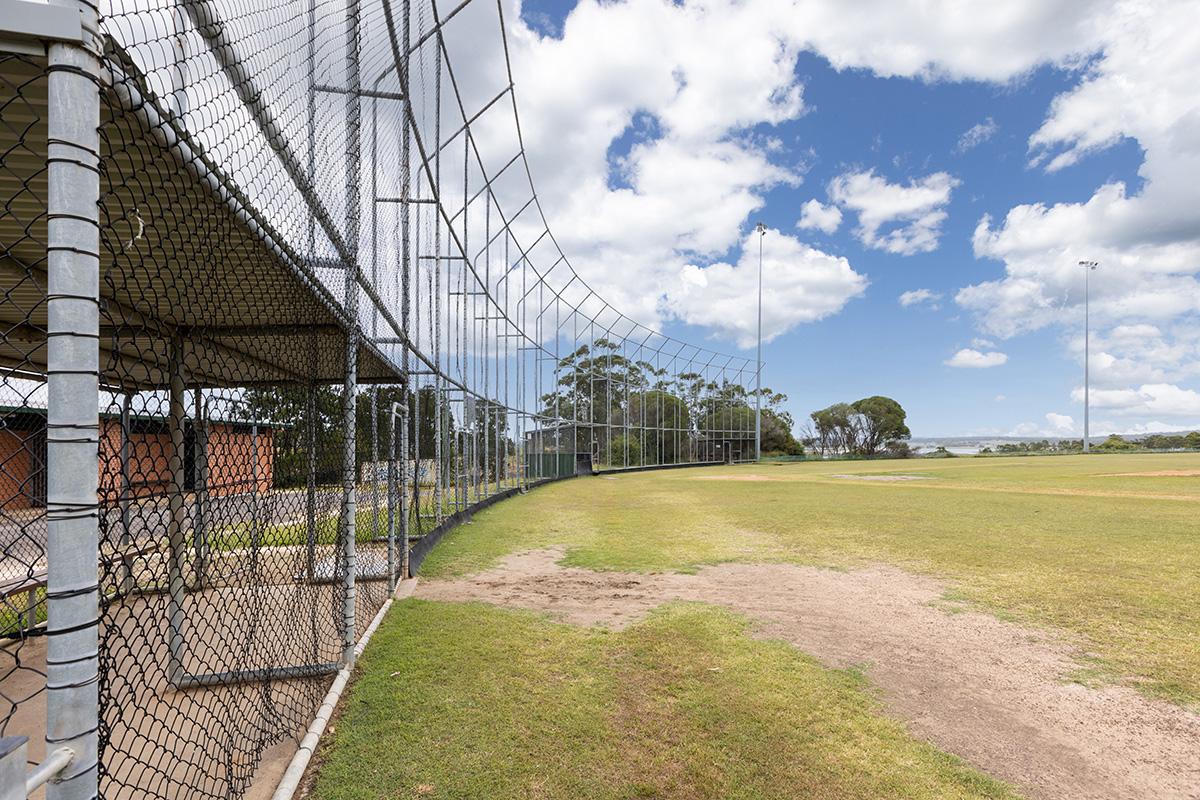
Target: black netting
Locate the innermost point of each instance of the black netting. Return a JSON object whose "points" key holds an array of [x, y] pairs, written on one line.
{"points": [[22, 394], [333, 320]]}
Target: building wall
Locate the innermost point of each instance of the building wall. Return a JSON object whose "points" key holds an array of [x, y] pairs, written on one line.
{"points": [[230, 460], [15, 460], [149, 461], [231, 463]]}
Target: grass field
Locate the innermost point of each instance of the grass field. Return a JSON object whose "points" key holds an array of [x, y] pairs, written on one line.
{"points": [[1099, 546]]}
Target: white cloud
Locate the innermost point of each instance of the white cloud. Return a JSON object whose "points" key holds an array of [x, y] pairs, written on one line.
{"points": [[916, 296], [1146, 294], [1150, 399], [982, 344], [687, 187], [1000, 398], [974, 359], [817, 216], [693, 175], [1142, 428], [976, 135], [1061, 424], [916, 209], [800, 284], [1056, 426]]}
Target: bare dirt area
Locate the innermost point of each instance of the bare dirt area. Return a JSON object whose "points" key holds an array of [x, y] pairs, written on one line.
{"points": [[993, 692], [1162, 473], [882, 478], [734, 478]]}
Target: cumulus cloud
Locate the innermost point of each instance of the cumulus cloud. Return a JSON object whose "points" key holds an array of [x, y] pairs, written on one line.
{"points": [[976, 135], [816, 215], [916, 296], [1150, 399], [800, 284], [974, 359], [696, 163], [682, 192], [1146, 294], [1056, 425], [643, 155], [914, 210], [1142, 428], [1061, 423]]}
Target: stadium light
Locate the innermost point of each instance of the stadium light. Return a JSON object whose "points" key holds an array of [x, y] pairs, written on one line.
{"points": [[762, 231], [1088, 268]]}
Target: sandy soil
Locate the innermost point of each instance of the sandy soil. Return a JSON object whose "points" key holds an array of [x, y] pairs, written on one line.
{"points": [[883, 478], [995, 693], [197, 742], [734, 478], [1162, 473]]}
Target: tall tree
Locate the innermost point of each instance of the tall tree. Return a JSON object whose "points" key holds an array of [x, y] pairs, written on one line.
{"points": [[877, 420]]}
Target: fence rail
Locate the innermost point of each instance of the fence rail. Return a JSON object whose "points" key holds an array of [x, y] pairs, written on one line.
{"points": [[280, 302]]}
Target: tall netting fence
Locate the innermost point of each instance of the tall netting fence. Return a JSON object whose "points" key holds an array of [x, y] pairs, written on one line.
{"points": [[280, 305]]}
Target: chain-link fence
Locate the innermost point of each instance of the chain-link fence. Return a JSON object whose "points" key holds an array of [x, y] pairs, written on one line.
{"points": [[280, 306]]}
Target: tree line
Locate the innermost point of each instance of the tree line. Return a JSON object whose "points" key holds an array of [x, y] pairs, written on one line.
{"points": [[633, 412], [872, 426]]}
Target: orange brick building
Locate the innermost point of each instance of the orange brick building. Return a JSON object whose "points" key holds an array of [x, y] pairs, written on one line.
{"points": [[232, 448]]}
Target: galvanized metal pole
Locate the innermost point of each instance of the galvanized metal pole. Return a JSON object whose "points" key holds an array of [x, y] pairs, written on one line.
{"points": [[178, 513], [349, 554], [762, 232], [399, 410], [1088, 266], [404, 493], [391, 501], [376, 505], [127, 582], [73, 410], [200, 485], [442, 454]]}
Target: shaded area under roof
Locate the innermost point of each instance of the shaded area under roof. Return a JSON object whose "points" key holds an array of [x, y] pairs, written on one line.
{"points": [[198, 269]]}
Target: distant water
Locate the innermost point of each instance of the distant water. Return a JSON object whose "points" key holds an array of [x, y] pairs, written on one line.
{"points": [[958, 448]]}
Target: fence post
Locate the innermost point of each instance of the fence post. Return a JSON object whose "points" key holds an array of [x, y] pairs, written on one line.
{"points": [[391, 500], [126, 540], [349, 555], [310, 504], [200, 487], [73, 411], [176, 543], [404, 490]]}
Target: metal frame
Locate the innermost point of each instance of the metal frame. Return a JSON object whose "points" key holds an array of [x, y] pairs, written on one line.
{"points": [[497, 337]]}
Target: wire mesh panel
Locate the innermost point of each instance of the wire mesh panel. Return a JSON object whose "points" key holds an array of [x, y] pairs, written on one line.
{"points": [[333, 321], [22, 394]]}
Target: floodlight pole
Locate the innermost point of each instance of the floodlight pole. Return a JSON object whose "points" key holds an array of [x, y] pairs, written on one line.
{"points": [[1088, 268], [762, 231]]}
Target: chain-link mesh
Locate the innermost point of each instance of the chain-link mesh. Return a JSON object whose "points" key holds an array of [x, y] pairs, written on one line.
{"points": [[22, 395], [333, 320]]}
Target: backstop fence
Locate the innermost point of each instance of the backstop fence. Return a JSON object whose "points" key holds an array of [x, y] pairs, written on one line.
{"points": [[279, 304]]}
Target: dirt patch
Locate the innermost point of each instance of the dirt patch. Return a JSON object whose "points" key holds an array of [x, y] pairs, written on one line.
{"points": [[724, 478], [1162, 473], [884, 478], [995, 693]]}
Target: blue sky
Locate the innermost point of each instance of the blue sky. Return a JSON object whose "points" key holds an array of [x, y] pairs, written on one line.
{"points": [[903, 123]]}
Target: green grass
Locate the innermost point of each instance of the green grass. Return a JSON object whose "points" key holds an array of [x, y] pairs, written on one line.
{"points": [[14, 610], [460, 700], [1066, 542]]}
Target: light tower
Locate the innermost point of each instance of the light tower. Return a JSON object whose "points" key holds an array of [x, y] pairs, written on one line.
{"points": [[1088, 268], [762, 231]]}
